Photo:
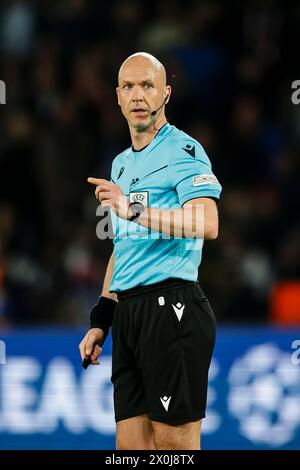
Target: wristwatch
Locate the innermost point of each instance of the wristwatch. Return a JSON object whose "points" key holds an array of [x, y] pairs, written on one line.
{"points": [[137, 208]]}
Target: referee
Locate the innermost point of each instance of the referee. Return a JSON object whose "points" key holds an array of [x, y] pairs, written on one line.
{"points": [[162, 197]]}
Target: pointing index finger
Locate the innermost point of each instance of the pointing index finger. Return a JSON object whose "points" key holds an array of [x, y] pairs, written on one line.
{"points": [[95, 181]]}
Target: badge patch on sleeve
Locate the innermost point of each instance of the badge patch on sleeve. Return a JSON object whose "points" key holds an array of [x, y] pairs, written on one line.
{"points": [[139, 196], [200, 180]]}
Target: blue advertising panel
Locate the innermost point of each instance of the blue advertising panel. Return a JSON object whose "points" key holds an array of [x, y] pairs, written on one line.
{"points": [[47, 401]]}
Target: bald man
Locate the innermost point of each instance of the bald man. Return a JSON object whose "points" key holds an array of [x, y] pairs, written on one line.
{"points": [[162, 197]]}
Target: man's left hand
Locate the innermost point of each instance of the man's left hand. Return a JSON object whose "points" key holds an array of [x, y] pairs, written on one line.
{"points": [[111, 195]]}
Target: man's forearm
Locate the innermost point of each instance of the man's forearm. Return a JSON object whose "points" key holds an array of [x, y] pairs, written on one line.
{"points": [[187, 222], [107, 280]]}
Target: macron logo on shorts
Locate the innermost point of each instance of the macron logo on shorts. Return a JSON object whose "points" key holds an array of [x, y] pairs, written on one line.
{"points": [[178, 309], [165, 402]]}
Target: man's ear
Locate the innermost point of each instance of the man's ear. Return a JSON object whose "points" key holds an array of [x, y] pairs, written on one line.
{"points": [[118, 95], [168, 92]]}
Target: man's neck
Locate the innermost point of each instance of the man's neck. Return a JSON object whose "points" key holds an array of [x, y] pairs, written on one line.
{"points": [[142, 139]]}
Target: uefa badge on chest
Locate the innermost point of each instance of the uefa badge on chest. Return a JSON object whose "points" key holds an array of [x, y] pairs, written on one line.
{"points": [[139, 196]]}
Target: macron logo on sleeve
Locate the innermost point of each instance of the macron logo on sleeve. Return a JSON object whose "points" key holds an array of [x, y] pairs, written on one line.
{"points": [[190, 150], [121, 172]]}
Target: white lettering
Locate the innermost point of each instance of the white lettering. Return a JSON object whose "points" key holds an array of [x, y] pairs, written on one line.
{"points": [[2, 352], [2, 92], [296, 354], [18, 396], [295, 96], [60, 399], [97, 397]]}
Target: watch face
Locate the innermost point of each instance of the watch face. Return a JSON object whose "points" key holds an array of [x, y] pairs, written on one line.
{"points": [[137, 207]]}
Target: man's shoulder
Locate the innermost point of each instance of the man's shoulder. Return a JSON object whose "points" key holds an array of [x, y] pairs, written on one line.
{"points": [[180, 140], [179, 136]]}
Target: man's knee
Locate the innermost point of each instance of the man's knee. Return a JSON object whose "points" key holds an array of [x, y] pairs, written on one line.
{"points": [[185, 436], [135, 434]]}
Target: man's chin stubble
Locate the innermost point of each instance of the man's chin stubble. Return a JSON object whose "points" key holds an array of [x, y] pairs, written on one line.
{"points": [[142, 127]]}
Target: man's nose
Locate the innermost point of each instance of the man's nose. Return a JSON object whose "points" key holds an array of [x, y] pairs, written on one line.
{"points": [[137, 95]]}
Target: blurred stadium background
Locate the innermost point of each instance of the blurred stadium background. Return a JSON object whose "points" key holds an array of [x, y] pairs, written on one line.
{"points": [[231, 65]]}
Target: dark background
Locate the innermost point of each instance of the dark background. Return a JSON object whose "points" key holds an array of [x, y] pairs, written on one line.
{"points": [[231, 66]]}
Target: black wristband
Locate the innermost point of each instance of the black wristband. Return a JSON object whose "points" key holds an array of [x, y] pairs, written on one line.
{"points": [[101, 315]]}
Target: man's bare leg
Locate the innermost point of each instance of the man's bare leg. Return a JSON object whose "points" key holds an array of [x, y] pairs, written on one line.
{"points": [[181, 437], [135, 434]]}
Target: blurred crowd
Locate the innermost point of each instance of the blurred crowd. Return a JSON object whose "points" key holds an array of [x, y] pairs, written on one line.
{"points": [[230, 64]]}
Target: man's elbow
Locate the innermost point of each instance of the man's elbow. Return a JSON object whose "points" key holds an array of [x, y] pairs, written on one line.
{"points": [[211, 231]]}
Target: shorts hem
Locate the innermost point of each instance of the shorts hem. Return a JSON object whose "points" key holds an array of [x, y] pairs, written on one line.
{"points": [[161, 418], [130, 415], [177, 419]]}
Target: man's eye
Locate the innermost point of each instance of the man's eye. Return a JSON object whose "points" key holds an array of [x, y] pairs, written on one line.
{"points": [[148, 85], [127, 87]]}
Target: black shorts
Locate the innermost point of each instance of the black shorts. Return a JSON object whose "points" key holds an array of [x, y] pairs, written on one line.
{"points": [[163, 339]]}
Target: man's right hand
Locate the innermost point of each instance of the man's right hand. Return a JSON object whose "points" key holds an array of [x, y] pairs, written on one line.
{"points": [[89, 346]]}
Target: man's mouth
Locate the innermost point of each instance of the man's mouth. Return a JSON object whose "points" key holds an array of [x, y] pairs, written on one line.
{"points": [[139, 111]]}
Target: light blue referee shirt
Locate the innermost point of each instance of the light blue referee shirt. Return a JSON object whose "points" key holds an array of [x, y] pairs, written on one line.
{"points": [[167, 173]]}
